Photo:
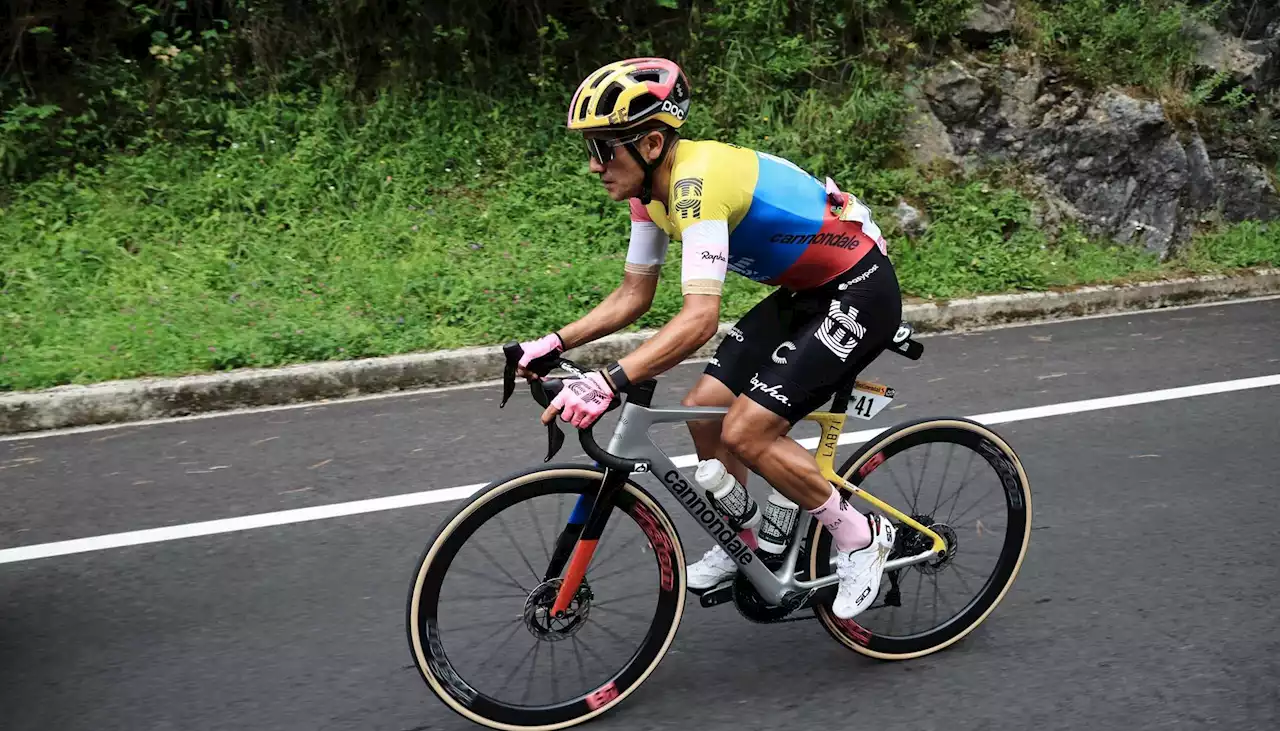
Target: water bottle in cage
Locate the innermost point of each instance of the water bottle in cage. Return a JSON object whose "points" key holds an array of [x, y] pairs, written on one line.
{"points": [[728, 495], [778, 520]]}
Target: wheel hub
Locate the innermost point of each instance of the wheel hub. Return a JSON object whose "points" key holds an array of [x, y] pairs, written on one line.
{"points": [[543, 625], [912, 542]]}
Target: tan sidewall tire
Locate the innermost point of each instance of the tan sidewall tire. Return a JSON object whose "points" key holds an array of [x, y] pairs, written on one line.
{"points": [[829, 621], [489, 495]]}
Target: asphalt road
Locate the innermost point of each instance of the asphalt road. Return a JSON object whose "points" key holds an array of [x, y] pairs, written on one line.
{"points": [[1146, 601]]}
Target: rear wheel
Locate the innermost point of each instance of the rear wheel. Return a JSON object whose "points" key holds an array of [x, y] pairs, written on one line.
{"points": [[982, 510], [479, 621]]}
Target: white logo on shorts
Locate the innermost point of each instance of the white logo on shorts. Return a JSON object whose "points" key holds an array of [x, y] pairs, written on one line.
{"points": [[841, 331], [781, 360], [774, 391], [860, 278], [736, 334]]}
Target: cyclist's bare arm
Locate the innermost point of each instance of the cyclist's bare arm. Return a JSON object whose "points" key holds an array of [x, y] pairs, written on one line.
{"points": [[678, 339], [622, 307]]}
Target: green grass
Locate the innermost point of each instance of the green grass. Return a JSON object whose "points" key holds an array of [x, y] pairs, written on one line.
{"points": [[321, 231]]}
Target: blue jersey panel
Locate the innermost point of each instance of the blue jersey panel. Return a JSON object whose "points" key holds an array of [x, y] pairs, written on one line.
{"points": [[758, 246]]}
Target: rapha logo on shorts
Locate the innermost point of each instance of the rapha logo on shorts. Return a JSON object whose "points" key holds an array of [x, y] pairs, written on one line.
{"points": [[774, 391], [688, 197], [841, 331], [779, 359]]}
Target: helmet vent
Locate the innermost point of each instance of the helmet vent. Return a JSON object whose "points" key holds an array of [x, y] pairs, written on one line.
{"points": [[599, 77], [653, 76], [582, 106], [640, 104], [608, 99]]}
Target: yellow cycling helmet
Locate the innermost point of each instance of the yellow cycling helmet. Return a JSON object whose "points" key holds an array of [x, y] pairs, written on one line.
{"points": [[626, 94]]}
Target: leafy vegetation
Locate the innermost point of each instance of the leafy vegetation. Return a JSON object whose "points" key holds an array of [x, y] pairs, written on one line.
{"points": [[194, 186]]}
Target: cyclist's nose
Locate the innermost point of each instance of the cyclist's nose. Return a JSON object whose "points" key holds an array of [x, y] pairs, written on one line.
{"points": [[596, 166]]}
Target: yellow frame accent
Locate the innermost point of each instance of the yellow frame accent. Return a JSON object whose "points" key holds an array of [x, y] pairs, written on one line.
{"points": [[832, 426]]}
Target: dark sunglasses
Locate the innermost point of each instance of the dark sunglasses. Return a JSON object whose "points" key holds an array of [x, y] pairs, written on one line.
{"points": [[602, 149]]}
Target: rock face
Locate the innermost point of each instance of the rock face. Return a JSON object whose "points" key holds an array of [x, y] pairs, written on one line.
{"points": [[987, 21], [1110, 161], [1254, 64]]}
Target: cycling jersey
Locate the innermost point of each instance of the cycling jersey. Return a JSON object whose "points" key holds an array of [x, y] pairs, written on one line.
{"points": [[740, 210]]}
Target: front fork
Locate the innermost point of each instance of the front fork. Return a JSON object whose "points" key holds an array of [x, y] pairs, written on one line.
{"points": [[576, 543]]}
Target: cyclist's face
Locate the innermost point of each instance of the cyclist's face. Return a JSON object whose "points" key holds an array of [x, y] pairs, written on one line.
{"points": [[621, 175]]}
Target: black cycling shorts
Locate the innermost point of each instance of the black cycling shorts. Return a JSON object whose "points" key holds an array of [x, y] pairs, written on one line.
{"points": [[791, 351]]}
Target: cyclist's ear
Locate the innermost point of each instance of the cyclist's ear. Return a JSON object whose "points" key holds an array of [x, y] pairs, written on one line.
{"points": [[653, 144]]}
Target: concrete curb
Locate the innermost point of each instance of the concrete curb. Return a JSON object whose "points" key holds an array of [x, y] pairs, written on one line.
{"points": [[136, 400]]}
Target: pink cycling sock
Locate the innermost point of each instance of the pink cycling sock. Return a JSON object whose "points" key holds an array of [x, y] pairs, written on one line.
{"points": [[848, 527]]}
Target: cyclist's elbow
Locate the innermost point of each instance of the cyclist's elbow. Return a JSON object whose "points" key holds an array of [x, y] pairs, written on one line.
{"points": [[703, 315]]}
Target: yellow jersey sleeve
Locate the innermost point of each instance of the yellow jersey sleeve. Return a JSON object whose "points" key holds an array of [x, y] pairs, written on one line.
{"points": [[710, 192]]}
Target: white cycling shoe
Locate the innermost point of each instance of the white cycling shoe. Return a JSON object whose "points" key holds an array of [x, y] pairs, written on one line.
{"points": [[860, 571], [715, 568]]}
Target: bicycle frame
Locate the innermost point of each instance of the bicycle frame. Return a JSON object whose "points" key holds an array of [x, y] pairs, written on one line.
{"points": [[631, 441]]}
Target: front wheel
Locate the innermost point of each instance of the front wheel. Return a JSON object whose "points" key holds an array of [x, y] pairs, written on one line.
{"points": [[964, 482], [480, 622]]}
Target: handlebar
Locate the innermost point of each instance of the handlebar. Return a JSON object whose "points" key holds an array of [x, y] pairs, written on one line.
{"points": [[544, 392]]}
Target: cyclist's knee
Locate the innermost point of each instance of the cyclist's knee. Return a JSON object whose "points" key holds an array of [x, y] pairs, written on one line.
{"points": [[744, 438], [708, 392]]}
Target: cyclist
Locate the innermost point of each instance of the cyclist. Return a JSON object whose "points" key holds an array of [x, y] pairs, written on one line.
{"points": [[836, 307]]}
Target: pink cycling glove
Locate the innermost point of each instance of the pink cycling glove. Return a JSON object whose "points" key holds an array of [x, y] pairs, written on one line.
{"points": [[542, 346], [583, 400]]}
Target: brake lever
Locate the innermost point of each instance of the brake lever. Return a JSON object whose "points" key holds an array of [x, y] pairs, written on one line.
{"points": [[513, 352], [555, 437]]}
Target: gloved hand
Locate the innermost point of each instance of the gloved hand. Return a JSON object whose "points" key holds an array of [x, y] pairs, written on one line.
{"points": [[534, 349], [581, 401]]}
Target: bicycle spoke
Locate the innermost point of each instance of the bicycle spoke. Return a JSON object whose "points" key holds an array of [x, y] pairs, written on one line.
{"points": [[911, 464], [582, 675], [492, 622], [625, 613], [507, 529], [915, 609], [555, 676], [976, 504], [935, 600], [485, 552], [946, 468], [546, 548], [894, 476], [533, 666], [611, 574], [960, 577], [972, 572], [609, 632], [616, 551], [526, 654], [621, 599], [928, 450], [518, 624], [487, 577], [497, 596], [967, 469]]}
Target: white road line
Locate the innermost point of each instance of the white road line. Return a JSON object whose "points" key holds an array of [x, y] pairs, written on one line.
{"points": [[46, 434], [427, 497]]}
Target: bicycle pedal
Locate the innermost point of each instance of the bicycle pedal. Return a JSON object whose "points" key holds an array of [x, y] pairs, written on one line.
{"points": [[717, 595]]}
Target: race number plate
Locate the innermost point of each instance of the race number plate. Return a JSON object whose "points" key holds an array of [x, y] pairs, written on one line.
{"points": [[868, 399]]}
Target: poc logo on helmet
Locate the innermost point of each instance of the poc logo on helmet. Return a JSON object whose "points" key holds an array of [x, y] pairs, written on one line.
{"points": [[667, 106]]}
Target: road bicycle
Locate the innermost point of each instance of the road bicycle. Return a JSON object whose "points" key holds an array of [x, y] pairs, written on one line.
{"points": [[554, 581]]}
